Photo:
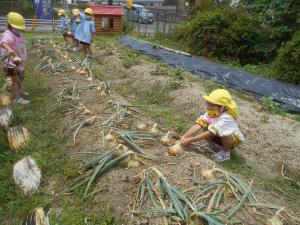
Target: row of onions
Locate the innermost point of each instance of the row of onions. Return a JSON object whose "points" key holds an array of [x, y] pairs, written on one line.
{"points": [[17, 136], [215, 198]]}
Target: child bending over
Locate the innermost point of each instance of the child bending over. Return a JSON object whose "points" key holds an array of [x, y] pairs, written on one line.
{"points": [[12, 43], [218, 124]]}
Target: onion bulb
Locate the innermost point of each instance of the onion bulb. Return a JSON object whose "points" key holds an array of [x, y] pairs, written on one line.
{"points": [[142, 126], [82, 72], [196, 220], [228, 192], [133, 161], [275, 220], [73, 67], [208, 174], [110, 139], [166, 140], [176, 149], [16, 60], [154, 129], [120, 150]]}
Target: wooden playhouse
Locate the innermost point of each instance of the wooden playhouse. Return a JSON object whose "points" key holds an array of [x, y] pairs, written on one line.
{"points": [[108, 19]]}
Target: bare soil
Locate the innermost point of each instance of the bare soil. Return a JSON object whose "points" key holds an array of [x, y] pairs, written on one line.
{"points": [[271, 140]]}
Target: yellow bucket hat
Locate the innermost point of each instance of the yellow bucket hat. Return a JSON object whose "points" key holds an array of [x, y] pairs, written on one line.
{"points": [[89, 11], [75, 12], [16, 20], [62, 12], [223, 98]]}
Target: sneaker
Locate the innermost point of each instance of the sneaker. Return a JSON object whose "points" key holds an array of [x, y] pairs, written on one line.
{"points": [[222, 156], [21, 101]]}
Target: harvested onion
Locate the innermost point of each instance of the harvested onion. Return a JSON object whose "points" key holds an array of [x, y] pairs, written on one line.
{"points": [[275, 220], [166, 140], [196, 220], [82, 72], [208, 174], [16, 60], [110, 139], [120, 150], [142, 126], [176, 149], [154, 129], [133, 161]]}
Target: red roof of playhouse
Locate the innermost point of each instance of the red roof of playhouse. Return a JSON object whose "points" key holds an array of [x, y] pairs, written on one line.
{"points": [[107, 10]]}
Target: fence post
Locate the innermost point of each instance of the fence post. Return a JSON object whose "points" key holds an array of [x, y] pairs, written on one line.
{"points": [[157, 21], [165, 12], [53, 21], [146, 25], [138, 22]]}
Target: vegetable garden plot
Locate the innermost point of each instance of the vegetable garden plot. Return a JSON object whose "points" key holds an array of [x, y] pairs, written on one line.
{"points": [[122, 123], [287, 95]]}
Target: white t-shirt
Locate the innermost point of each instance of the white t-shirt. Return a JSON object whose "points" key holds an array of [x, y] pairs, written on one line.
{"points": [[223, 125]]}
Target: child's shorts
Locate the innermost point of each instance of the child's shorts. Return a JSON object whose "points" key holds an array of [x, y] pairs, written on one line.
{"points": [[10, 72], [84, 43]]}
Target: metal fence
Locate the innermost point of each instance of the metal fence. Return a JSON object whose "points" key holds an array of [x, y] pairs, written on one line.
{"points": [[34, 25], [149, 23]]}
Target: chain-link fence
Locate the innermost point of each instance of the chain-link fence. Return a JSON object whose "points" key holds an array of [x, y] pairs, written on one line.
{"points": [[149, 23]]}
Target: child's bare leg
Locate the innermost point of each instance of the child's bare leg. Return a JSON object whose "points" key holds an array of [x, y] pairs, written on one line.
{"points": [[16, 86], [89, 50], [85, 49]]}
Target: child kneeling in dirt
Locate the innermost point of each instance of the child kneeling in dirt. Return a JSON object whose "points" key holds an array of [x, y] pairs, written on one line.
{"points": [[12, 44], [219, 125], [85, 31]]}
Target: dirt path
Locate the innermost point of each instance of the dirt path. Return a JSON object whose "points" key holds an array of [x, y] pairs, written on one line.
{"points": [[271, 140]]}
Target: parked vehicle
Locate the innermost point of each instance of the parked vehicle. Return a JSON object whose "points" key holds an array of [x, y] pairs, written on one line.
{"points": [[138, 13]]}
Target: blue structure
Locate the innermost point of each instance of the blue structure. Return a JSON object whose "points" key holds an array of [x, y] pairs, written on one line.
{"points": [[43, 9]]}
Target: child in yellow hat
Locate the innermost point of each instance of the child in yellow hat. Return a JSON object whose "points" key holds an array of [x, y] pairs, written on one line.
{"points": [[12, 44], [64, 26], [85, 32], [219, 125]]}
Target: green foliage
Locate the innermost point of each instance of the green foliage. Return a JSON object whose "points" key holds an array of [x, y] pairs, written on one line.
{"points": [[269, 105], [158, 93], [130, 58], [127, 27], [209, 86], [279, 17], [287, 63], [229, 32]]}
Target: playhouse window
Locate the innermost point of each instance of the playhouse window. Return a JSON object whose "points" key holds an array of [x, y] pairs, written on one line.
{"points": [[107, 23]]}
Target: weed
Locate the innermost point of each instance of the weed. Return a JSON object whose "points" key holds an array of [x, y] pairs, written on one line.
{"points": [[269, 105], [209, 86], [159, 70], [297, 118], [158, 93], [130, 58]]}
